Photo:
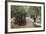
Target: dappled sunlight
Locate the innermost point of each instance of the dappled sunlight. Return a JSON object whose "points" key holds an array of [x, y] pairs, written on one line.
{"points": [[25, 16]]}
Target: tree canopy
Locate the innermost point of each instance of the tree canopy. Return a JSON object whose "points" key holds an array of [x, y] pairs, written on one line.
{"points": [[28, 10]]}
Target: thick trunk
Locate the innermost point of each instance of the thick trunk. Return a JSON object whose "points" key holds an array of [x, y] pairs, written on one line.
{"points": [[34, 19], [20, 20]]}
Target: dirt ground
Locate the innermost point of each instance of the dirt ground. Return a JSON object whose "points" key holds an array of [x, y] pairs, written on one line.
{"points": [[29, 21]]}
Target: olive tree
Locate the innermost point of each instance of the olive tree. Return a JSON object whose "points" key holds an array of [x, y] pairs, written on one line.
{"points": [[19, 13], [34, 12]]}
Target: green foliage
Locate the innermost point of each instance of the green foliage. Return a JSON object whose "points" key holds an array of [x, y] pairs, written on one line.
{"points": [[17, 10], [35, 10], [27, 10]]}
